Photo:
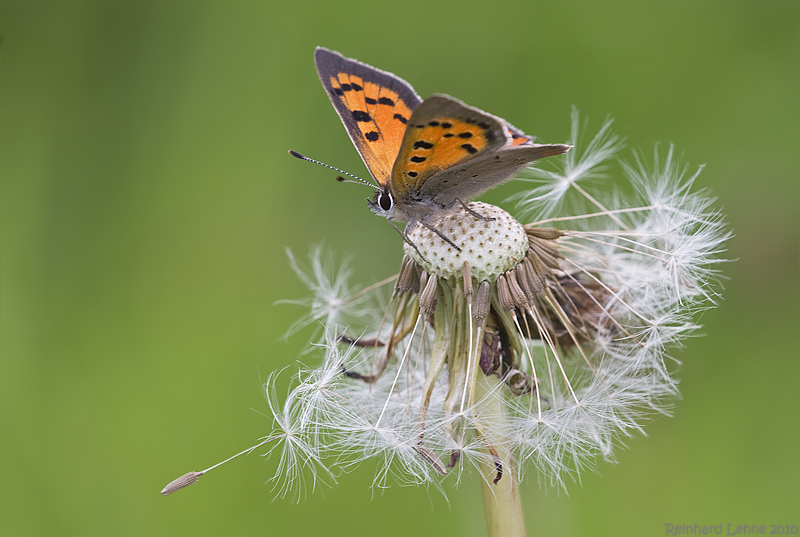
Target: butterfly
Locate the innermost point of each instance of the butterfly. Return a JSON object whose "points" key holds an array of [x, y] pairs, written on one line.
{"points": [[426, 156]]}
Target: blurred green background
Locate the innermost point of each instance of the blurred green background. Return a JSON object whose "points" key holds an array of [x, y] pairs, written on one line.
{"points": [[147, 200]]}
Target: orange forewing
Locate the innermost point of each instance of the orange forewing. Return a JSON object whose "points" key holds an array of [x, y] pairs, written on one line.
{"points": [[383, 124]]}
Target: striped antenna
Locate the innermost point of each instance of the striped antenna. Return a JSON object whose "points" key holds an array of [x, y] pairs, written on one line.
{"points": [[358, 180]]}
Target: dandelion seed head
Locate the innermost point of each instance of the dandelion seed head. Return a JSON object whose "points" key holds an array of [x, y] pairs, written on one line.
{"points": [[490, 245], [552, 352]]}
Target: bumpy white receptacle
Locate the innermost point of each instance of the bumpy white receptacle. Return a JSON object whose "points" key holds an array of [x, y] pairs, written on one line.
{"points": [[491, 247]]}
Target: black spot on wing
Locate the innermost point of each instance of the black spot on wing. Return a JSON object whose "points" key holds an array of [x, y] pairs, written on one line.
{"points": [[446, 125], [372, 136], [360, 115], [449, 135], [465, 135], [387, 101], [418, 159], [412, 174], [370, 100], [469, 148], [433, 123], [347, 87], [337, 92], [400, 118], [421, 144], [356, 87]]}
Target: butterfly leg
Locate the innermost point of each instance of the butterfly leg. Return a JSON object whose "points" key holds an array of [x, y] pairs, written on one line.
{"points": [[442, 236], [406, 239], [473, 213]]}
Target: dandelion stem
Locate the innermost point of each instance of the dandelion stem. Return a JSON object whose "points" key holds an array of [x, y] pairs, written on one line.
{"points": [[501, 499]]}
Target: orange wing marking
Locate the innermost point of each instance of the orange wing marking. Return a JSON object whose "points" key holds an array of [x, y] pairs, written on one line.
{"points": [[443, 143], [386, 110], [517, 138]]}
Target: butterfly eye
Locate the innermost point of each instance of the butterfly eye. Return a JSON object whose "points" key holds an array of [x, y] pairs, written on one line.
{"points": [[385, 200]]}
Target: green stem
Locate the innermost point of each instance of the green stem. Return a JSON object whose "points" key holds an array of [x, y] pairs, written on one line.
{"points": [[501, 501]]}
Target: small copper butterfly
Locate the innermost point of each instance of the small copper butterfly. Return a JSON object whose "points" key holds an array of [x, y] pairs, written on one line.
{"points": [[426, 156]]}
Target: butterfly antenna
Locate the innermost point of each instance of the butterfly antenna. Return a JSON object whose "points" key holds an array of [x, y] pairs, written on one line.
{"points": [[358, 180]]}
